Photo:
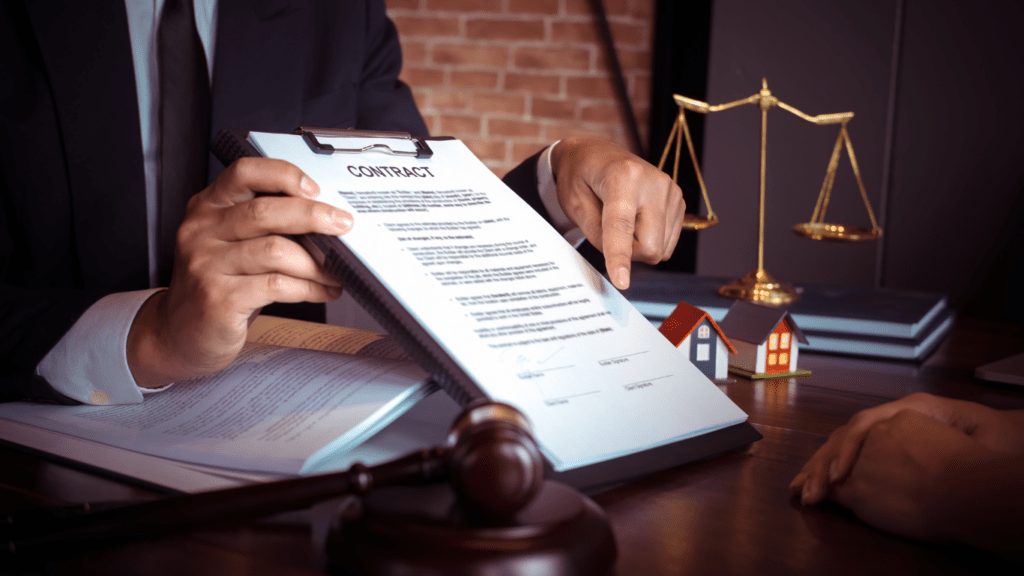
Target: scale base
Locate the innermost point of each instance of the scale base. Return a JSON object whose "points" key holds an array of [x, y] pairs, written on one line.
{"points": [[758, 286], [422, 530]]}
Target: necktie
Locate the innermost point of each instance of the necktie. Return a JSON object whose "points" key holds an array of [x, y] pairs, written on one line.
{"points": [[184, 123]]}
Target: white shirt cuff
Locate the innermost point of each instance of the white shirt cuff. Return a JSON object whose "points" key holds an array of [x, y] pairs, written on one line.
{"points": [[548, 191], [90, 363]]}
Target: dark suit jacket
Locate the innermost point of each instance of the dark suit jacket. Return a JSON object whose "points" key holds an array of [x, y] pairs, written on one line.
{"points": [[72, 196]]}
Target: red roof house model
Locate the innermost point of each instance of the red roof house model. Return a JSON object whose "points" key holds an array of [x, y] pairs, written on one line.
{"points": [[696, 334]]}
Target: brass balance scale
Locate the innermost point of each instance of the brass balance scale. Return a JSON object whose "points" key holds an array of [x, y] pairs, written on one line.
{"points": [[758, 285]]}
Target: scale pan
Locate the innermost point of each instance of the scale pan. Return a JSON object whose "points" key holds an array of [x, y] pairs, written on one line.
{"points": [[835, 232], [694, 222]]}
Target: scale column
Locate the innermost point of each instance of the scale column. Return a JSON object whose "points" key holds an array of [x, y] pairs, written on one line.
{"points": [[765, 105], [758, 285]]}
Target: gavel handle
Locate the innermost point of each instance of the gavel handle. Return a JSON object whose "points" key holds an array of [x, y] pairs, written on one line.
{"points": [[33, 532]]}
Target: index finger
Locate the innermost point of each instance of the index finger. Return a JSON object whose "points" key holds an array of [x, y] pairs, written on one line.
{"points": [[281, 215], [618, 224], [247, 176], [813, 480]]}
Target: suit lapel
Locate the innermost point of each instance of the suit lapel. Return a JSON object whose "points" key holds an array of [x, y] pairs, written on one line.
{"points": [[258, 70], [88, 58]]}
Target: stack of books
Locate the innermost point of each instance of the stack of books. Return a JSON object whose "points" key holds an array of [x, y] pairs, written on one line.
{"points": [[841, 320]]}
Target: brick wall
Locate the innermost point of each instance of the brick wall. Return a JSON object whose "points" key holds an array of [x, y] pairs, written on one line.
{"points": [[511, 76]]}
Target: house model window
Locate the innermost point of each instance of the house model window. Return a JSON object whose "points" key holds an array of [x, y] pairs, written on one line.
{"points": [[703, 352]]}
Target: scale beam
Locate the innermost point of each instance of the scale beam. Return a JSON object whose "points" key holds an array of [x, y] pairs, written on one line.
{"points": [[758, 285]]}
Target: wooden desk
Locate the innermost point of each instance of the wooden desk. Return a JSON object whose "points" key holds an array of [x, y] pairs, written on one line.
{"points": [[731, 514]]}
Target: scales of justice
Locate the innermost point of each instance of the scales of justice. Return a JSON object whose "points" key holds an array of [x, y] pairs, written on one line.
{"points": [[758, 285]]}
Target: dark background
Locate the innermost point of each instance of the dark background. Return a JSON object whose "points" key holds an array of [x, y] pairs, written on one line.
{"points": [[682, 38], [938, 92]]}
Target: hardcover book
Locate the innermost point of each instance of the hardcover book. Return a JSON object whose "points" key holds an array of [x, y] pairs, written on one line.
{"points": [[846, 320]]}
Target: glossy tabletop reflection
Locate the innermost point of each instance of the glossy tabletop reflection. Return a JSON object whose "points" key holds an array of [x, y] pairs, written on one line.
{"points": [[729, 514]]}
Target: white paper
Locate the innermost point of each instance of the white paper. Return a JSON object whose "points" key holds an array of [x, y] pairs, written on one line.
{"points": [[277, 410], [424, 425], [525, 316]]}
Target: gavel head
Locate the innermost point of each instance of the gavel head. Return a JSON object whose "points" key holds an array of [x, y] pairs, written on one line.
{"points": [[493, 462]]}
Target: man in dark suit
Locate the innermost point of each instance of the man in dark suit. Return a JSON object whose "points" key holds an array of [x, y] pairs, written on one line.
{"points": [[75, 249]]}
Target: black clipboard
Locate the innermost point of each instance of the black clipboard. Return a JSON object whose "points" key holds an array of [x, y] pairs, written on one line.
{"points": [[339, 261]]}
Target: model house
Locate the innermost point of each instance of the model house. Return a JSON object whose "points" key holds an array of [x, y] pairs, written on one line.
{"points": [[697, 335], [766, 340]]}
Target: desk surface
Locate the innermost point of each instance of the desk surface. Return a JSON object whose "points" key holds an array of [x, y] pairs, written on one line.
{"points": [[730, 514]]}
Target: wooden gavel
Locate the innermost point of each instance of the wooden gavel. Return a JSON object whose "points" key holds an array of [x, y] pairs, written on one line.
{"points": [[490, 458]]}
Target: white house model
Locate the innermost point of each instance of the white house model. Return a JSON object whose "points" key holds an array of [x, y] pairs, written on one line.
{"points": [[767, 340]]}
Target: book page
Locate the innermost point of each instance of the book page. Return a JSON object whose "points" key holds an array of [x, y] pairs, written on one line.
{"points": [[276, 410], [314, 336], [523, 314], [152, 471]]}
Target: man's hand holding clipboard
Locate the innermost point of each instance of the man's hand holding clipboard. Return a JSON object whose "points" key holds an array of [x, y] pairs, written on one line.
{"points": [[231, 260]]}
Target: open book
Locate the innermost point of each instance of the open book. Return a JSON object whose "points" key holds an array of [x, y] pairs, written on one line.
{"points": [[301, 398], [493, 303]]}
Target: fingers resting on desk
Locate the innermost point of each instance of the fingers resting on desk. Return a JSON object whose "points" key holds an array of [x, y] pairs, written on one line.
{"points": [[626, 207], [230, 261], [911, 466], [832, 463]]}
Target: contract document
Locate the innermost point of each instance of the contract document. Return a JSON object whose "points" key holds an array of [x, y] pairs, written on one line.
{"points": [[509, 302]]}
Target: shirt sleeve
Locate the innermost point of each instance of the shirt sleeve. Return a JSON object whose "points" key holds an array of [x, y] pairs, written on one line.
{"points": [[548, 192], [90, 363]]}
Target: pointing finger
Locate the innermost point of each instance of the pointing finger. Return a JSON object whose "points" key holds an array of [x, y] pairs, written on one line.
{"points": [[617, 228]]}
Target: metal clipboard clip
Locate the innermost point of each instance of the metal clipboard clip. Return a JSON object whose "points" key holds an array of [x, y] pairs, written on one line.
{"points": [[309, 135]]}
